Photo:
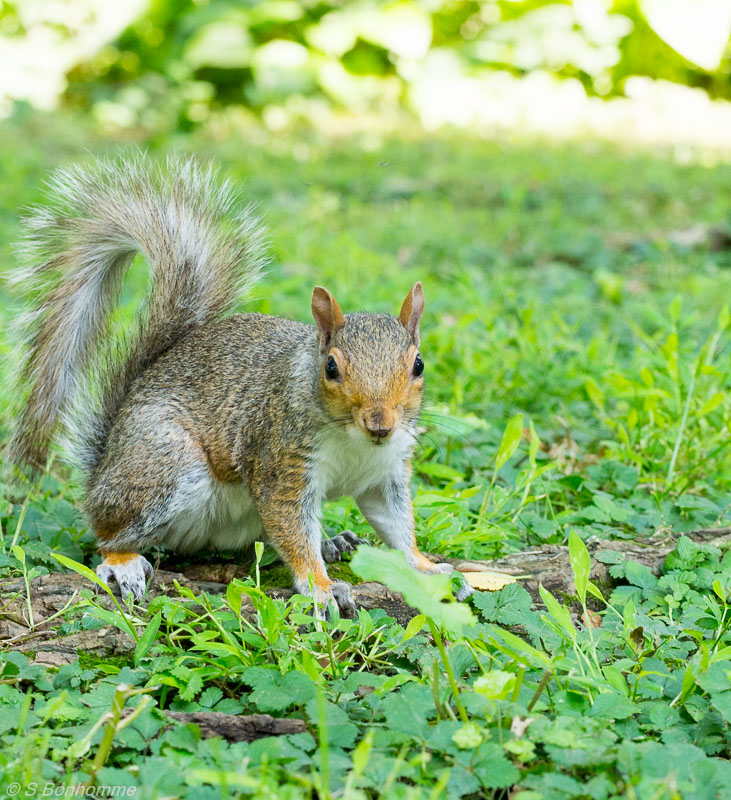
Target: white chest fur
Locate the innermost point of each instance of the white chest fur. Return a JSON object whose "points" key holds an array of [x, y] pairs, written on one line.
{"points": [[347, 463], [206, 513]]}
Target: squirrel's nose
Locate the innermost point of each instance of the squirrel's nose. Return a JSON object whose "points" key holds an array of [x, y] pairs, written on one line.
{"points": [[376, 426]]}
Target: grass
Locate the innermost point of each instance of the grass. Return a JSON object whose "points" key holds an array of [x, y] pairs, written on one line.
{"points": [[579, 365]]}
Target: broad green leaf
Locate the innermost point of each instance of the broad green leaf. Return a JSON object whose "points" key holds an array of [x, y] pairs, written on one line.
{"points": [[493, 770], [225, 779], [511, 440], [558, 612], [594, 590], [724, 654], [311, 667], [408, 710], [629, 617], [616, 679], [711, 405], [722, 702], [107, 617], [647, 377], [273, 691], [362, 753], [613, 706], [81, 569], [580, 564], [233, 597], [495, 684], [217, 647], [535, 443], [511, 605], [640, 575], [596, 395], [147, 638], [431, 594], [675, 308], [399, 679], [436, 470], [433, 499], [415, 625], [724, 317], [340, 730], [688, 683], [515, 646]]}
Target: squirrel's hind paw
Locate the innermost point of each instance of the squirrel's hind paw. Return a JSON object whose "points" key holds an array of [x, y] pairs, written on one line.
{"points": [[339, 591], [334, 549], [129, 571], [341, 595]]}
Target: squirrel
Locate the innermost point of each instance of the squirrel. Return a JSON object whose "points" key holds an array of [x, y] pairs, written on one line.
{"points": [[205, 428]]}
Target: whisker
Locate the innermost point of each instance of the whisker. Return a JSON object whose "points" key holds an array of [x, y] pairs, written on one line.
{"points": [[433, 443], [459, 435], [445, 426], [432, 412]]}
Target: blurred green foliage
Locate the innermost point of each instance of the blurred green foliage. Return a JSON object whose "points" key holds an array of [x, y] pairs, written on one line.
{"points": [[183, 59]]}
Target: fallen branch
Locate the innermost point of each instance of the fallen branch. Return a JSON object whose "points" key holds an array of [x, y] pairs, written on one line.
{"points": [[238, 728]]}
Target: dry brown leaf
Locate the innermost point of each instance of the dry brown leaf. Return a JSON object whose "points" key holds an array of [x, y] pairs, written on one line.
{"points": [[591, 619], [488, 581]]}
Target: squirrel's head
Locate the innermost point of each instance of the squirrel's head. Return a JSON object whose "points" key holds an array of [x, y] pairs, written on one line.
{"points": [[371, 373]]}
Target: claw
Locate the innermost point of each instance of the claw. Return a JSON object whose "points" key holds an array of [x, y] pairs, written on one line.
{"points": [[465, 589], [337, 591], [341, 595], [334, 549], [129, 571]]}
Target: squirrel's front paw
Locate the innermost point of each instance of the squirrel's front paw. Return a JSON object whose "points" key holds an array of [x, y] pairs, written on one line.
{"points": [[334, 549], [130, 572]]}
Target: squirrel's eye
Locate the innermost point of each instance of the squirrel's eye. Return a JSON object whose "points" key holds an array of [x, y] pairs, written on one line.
{"points": [[418, 366], [331, 369]]}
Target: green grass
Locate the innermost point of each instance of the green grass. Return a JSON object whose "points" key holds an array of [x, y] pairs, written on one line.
{"points": [[579, 368]]}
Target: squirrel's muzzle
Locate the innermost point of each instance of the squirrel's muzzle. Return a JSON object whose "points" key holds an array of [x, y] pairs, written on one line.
{"points": [[378, 424]]}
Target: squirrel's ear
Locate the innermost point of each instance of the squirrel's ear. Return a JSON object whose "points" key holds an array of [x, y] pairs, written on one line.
{"points": [[327, 314], [411, 311]]}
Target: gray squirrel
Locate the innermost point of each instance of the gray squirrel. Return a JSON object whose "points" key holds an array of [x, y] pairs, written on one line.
{"points": [[205, 428]]}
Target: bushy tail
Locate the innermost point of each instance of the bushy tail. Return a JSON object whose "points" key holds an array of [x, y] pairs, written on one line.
{"points": [[204, 251]]}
